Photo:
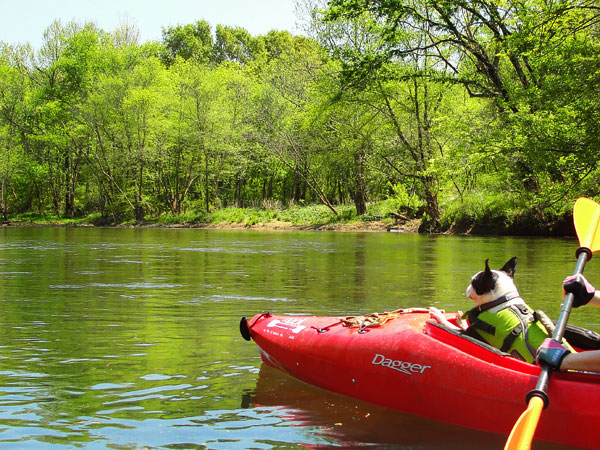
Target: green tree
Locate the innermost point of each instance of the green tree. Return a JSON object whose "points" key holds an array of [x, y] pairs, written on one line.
{"points": [[14, 90], [393, 111], [65, 70], [233, 44], [191, 41], [281, 112], [536, 62], [124, 112], [179, 149]]}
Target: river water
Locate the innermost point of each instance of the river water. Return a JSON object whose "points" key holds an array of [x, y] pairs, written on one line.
{"points": [[128, 338]]}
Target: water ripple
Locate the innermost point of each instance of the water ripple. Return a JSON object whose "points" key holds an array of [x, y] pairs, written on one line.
{"points": [[145, 285]]}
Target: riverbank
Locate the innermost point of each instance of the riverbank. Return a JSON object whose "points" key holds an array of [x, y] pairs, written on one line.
{"points": [[381, 217], [380, 226], [410, 226]]}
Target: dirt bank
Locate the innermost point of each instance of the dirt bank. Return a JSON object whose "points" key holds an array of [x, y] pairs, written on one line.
{"points": [[377, 226]]}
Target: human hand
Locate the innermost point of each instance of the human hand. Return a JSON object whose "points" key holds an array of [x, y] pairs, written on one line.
{"points": [[436, 314], [581, 289], [551, 353], [460, 321]]}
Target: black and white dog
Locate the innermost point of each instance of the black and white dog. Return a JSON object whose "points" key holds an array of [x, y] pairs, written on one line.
{"points": [[500, 316], [485, 287], [490, 285]]}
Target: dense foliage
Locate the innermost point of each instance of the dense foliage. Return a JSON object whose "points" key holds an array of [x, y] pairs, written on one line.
{"points": [[469, 114]]}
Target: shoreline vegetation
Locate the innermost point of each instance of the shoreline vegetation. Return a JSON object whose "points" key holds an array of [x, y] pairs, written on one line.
{"points": [[370, 121], [310, 218]]}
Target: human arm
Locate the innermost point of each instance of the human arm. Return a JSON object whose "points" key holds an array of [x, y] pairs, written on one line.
{"points": [[560, 358], [585, 361]]}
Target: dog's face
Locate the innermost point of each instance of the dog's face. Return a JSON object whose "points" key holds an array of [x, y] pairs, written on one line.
{"points": [[489, 285]]}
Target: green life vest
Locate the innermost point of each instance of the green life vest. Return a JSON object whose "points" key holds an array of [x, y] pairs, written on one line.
{"points": [[513, 329]]}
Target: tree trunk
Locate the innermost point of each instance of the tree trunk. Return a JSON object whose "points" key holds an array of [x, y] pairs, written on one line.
{"points": [[360, 195], [432, 220], [69, 188], [3, 200], [139, 207]]}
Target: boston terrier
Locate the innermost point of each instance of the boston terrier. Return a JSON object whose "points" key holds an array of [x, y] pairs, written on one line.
{"points": [[490, 285], [500, 316], [485, 287]]}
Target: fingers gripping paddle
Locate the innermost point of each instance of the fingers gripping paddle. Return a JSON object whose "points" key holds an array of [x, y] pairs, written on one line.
{"points": [[586, 217]]}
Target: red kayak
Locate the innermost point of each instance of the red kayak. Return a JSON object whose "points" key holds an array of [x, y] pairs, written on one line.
{"points": [[405, 361]]}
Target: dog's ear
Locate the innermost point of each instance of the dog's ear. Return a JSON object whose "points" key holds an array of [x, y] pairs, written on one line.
{"points": [[484, 281], [510, 267], [487, 266]]}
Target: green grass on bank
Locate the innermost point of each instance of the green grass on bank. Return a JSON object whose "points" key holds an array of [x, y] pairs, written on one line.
{"points": [[49, 219], [311, 215], [473, 215]]}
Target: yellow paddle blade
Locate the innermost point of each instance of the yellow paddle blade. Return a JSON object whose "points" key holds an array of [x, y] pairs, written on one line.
{"points": [[586, 216], [522, 433]]}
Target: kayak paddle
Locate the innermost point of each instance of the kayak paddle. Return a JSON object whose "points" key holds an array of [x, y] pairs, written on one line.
{"points": [[586, 217]]}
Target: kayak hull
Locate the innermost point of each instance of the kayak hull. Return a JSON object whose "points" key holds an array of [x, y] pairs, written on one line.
{"points": [[413, 365]]}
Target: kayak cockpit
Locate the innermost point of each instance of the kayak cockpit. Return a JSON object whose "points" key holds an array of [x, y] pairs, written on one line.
{"points": [[476, 348], [580, 338]]}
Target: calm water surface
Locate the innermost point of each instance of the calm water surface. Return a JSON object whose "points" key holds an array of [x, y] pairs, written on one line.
{"points": [[128, 338]]}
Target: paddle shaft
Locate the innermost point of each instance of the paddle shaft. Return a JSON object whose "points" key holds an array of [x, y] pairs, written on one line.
{"points": [[540, 389]]}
